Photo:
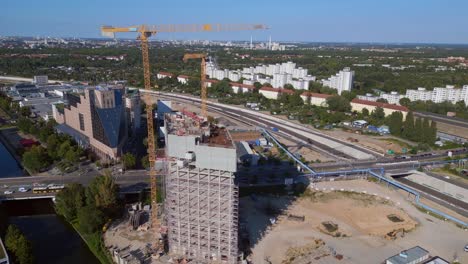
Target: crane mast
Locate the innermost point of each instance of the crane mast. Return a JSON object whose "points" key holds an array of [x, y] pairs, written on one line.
{"points": [[202, 79]]}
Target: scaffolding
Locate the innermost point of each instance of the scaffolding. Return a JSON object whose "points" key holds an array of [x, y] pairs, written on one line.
{"points": [[202, 202], [202, 208]]}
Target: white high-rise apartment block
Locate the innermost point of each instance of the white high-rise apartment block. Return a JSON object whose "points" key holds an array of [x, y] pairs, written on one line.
{"points": [[437, 95], [277, 75], [342, 81], [464, 94], [421, 94], [41, 80], [392, 97]]}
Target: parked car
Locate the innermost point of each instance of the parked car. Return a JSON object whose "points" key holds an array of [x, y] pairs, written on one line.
{"points": [[23, 189], [8, 192], [466, 248]]}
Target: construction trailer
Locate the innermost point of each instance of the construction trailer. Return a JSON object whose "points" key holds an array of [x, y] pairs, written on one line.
{"points": [[202, 199]]}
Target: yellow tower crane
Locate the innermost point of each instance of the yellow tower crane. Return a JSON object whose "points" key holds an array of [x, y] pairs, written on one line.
{"points": [[145, 32], [202, 79]]}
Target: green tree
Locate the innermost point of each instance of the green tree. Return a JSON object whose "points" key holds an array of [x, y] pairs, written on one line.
{"points": [[378, 113], [25, 111], [338, 103], [257, 85], [426, 130], [70, 200], [145, 162], [90, 219], [72, 155], [128, 161], [24, 124], [405, 101], [103, 193], [52, 146], [350, 95], [24, 251], [418, 133], [64, 147], [408, 126], [35, 159], [18, 245], [365, 112], [11, 238], [433, 132], [395, 123]]}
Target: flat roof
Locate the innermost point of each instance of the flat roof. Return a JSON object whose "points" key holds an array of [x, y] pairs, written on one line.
{"points": [[190, 124], [409, 255]]}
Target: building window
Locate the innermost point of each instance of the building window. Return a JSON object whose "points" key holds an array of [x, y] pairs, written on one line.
{"points": [[81, 121]]}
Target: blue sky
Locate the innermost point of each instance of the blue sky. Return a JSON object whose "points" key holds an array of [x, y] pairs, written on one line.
{"points": [[396, 21]]}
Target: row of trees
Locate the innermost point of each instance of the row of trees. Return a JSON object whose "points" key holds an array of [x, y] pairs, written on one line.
{"points": [[18, 245], [414, 129]]}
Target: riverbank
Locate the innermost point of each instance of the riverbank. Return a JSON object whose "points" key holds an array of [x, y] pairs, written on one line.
{"points": [[53, 239], [5, 141], [95, 244]]}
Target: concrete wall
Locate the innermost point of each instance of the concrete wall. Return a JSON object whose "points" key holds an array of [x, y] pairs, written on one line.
{"points": [[318, 101], [359, 107], [177, 146], [447, 188], [217, 158], [269, 94]]}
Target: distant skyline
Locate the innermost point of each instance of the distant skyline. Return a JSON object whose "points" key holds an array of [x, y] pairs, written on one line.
{"points": [[396, 21]]}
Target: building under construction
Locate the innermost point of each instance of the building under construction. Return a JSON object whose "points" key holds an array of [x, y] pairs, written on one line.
{"points": [[201, 205]]}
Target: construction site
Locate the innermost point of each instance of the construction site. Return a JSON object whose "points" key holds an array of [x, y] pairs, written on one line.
{"points": [[195, 214]]}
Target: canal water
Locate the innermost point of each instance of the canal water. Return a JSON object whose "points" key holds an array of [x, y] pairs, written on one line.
{"points": [[8, 165], [54, 241]]}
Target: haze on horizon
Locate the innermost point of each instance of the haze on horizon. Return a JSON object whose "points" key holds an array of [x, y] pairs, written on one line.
{"points": [[397, 21]]}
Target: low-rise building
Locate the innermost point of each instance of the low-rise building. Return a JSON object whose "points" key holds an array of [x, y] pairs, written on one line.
{"points": [[242, 88], [41, 80], [358, 105], [183, 79], [413, 255], [315, 98], [209, 83], [273, 93], [162, 75]]}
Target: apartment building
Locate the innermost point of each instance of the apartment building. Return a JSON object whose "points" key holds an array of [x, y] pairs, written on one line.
{"points": [[342, 81], [273, 93], [358, 105], [315, 98], [278, 75]]}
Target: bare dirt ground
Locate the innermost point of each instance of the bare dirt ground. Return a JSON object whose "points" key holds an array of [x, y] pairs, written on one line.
{"points": [[362, 217], [451, 129], [380, 144], [306, 152]]}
